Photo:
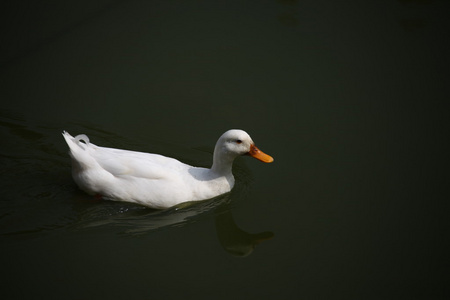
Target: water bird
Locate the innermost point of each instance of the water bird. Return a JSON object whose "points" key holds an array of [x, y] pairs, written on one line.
{"points": [[154, 180]]}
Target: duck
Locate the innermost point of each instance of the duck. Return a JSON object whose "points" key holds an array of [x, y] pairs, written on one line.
{"points": [[154, 180]]}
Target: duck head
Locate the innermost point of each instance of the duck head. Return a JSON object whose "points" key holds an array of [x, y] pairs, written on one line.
{"points": [[237, 142]]}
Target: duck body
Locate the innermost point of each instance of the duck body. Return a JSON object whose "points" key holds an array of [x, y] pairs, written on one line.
{"points": [[154, 180]]}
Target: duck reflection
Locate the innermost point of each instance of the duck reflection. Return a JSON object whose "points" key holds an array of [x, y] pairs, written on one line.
{"points": [[135, 220], [234, 240]]}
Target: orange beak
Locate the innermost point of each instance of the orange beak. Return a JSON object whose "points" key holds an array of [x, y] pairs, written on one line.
{"points": [[258, 154]]}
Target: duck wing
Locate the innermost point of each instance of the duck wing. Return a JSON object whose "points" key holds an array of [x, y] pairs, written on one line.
{"points": [[118, 162], [137, 164]]}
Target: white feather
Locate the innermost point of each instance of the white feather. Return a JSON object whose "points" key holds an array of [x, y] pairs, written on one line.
{"points": [[150, 179]]}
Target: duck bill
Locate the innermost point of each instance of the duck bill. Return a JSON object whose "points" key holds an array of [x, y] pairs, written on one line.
{"points": [[259, 155]]}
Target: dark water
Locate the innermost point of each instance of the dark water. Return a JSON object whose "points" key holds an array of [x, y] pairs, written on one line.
{"points": [[350, 99]]}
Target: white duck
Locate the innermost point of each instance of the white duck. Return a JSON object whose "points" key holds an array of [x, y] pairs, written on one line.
{"points": [[154, 180]]}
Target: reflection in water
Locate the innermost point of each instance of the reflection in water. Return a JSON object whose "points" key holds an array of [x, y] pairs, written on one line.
{"points": [[135, 220], [234, 240], [132, 219]]}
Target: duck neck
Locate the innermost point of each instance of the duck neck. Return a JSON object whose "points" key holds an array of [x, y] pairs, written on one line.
{"points": [[222, 163]]}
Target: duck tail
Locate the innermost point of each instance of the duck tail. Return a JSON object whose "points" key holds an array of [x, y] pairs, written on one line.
{"points": [[78, 147], [81, 140]]}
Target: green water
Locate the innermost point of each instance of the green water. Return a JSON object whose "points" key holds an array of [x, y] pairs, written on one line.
{"points": [[350, 100]]}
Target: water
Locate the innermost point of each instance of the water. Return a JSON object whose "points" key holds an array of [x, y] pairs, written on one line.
{"points": [[349, 99]]}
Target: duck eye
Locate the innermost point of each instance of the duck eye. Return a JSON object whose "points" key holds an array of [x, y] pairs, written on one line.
{"points": [[238, 141]]}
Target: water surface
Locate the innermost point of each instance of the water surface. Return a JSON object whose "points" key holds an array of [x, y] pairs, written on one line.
{"points": [[349, 99]]}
